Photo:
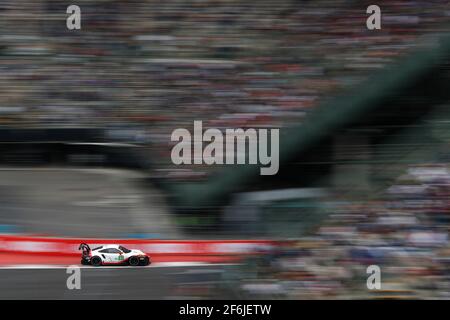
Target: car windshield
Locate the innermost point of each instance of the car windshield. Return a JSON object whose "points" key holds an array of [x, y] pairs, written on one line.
{"points": [[124, 249]]}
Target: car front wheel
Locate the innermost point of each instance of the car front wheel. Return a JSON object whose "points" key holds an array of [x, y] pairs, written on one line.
{"points": [[145, 262]]}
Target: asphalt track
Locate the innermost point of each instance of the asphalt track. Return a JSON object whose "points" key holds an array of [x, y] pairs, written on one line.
{"points": [[162, 281]]}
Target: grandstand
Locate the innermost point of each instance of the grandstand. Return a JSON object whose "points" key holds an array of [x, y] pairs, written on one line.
{"points": [[163, 66]]}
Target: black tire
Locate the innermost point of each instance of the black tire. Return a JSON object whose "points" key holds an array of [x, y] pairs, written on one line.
{"points": [[96, 261], [146, 261], [133, 261], [83, 262]]}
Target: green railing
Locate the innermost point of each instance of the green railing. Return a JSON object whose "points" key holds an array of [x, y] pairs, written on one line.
{"points": [[326, 119]]}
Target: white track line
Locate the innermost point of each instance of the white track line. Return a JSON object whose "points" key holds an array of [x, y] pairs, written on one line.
{"points": [[153, 265]]}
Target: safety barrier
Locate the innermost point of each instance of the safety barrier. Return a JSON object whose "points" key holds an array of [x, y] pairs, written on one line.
{"points": [[69, 246]]}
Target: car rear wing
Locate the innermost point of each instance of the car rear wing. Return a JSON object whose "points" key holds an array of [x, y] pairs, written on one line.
{"points": [[86, 250]]}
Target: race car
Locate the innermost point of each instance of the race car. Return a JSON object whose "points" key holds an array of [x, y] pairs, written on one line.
{"points": [[112, 254]]}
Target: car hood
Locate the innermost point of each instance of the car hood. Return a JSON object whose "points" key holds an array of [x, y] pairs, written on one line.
{"points": [[135, 251]]}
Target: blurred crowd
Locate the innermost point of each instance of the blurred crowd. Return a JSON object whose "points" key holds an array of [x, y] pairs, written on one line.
{"points": [[147, 67], [404, 231]]}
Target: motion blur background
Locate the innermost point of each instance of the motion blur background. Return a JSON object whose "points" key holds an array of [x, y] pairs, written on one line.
{"points": [[86, 118]]}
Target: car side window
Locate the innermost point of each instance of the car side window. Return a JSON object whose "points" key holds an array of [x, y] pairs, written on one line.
{"points": [[110, 250]]}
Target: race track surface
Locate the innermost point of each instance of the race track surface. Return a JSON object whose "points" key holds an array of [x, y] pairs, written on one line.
{"points": [[153, 282]]}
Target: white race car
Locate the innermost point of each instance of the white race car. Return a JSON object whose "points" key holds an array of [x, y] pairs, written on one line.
{"points": [[112, 254]]}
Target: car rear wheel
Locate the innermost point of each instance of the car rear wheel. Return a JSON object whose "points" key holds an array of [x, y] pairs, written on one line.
{"points": [[96, 261], [133, 261]]}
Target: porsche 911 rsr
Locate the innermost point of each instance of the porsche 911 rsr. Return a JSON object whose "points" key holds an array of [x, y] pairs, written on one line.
{"points": [[112, 255]]}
